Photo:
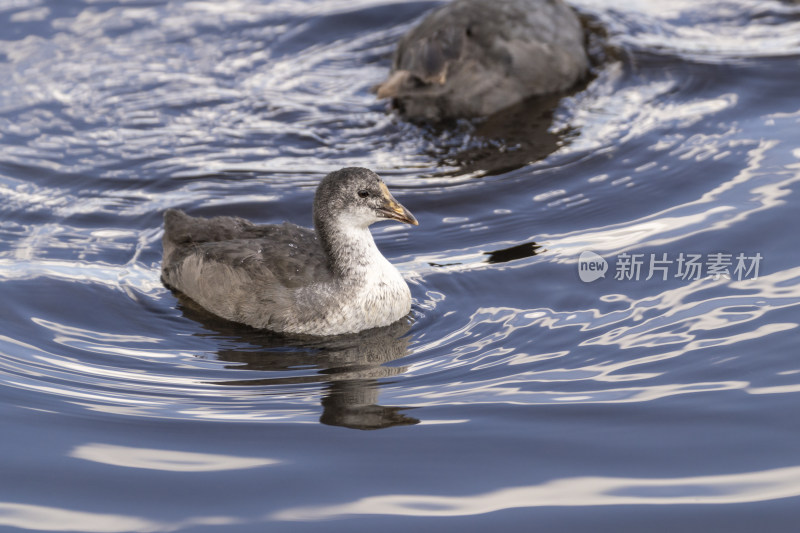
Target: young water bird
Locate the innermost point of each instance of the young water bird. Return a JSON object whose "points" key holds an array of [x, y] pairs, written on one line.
{"points": [[286, 278], [472, 58]]}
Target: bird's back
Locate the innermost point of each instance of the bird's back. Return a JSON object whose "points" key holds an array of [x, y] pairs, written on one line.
{"points": [[239, 270]]}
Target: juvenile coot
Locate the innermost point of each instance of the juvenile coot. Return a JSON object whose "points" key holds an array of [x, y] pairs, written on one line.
{"points": [[474, 57], [286, 278]]}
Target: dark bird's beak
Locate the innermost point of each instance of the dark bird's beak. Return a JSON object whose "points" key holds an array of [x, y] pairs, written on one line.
{"points": [[391, 87], [390, 208]]}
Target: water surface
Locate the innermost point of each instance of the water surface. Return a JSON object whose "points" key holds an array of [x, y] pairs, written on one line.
{"points": [[516, 394]]}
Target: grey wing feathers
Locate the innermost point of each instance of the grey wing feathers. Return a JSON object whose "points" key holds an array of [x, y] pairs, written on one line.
{"points": [[182, 228], [238, 269], [291, 253]]}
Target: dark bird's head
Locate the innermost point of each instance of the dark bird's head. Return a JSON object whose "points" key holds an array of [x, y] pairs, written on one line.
{"points": [[356, 197]]}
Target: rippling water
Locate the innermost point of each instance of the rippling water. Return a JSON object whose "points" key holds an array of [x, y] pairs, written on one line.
{"points": [[517, 394]]}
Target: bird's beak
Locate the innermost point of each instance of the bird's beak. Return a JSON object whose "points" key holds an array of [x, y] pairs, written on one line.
{"points": [[390, 208], [391, 87]]}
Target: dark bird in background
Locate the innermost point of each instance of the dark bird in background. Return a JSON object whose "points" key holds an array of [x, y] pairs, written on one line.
{"points": [[472, 58]]}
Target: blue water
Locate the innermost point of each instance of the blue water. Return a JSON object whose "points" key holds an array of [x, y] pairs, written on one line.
{"points": [[518, 397]]}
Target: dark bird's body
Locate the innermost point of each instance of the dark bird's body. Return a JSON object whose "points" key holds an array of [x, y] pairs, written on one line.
{"points": [[472, 58]]}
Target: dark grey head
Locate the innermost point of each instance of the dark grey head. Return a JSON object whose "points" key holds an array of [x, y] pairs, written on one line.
{"points": [[356, 197]]}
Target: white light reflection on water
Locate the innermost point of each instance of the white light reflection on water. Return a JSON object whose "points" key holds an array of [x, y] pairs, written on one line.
{"points": [[143, 279], [574, 492], [108, 373], [510, 390], [167, 460], [765, 187], [46, 518], [731, 30], [674, 323], [101, 54]]}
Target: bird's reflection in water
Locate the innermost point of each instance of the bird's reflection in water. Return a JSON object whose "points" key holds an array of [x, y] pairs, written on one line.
{"points": [[350, 365], [524, 132], [504, 141]]}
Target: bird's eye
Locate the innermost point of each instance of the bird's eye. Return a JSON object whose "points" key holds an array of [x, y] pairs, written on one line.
{"points": [[363, 193]]}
